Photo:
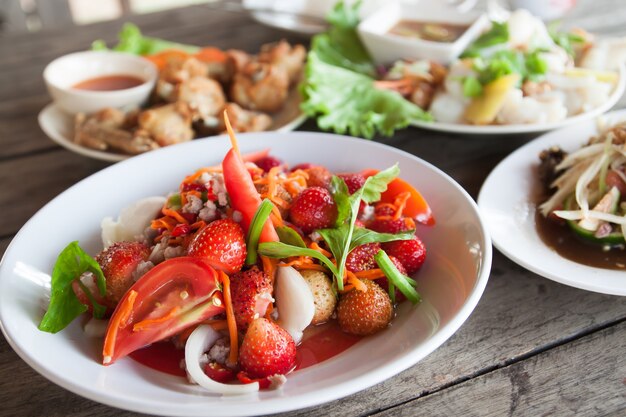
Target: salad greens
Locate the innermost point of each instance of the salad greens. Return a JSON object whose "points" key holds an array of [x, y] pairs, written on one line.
{"points": [[565, 40], [345, 236], [254, 232], [339, 87], [498, 34], [132, 41], [64, 304]]}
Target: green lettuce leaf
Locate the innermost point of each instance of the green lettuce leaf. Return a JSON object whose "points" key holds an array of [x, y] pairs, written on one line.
{"points": [[64, 305], [348, 102], [132, 41]]}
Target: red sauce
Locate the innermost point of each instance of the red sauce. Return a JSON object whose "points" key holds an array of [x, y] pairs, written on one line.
{"points": [[109, 83], [318, 344]]}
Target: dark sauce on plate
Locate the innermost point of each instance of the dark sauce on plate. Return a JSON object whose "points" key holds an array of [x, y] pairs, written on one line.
{"points": [[560, 238], [109, 83], [428, 31]]}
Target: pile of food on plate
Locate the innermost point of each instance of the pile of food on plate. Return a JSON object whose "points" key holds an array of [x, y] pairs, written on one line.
{"points": [[241, 264], [519, 71], [587, 193], [194, 87]]}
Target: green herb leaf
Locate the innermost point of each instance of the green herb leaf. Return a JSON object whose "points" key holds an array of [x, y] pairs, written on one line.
{"points": [[347, 102], [132, 41], [174, 201], [341, 195], [290, 237], [254, 232], [472, 87], [376, 185], [565, 40], [396, 278], [499, 33], [282, 250], [64, 305], [361, 236]]}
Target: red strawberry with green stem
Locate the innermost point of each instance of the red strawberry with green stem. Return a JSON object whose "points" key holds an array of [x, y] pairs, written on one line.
{"points": [[267, 349], [118, 262], [222, 244], [251, 294]]}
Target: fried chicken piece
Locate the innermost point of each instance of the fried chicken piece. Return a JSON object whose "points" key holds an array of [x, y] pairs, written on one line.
{"points": [[245, 120], [282, 54], [176, 71], [238, 59], [107, 129], [260, 86], [203, 96], [167, 125]]}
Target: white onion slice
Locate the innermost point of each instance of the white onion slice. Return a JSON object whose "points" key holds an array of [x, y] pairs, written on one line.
{"points": [[294, 300], [132, 221], [590, 214], [199, 342]]}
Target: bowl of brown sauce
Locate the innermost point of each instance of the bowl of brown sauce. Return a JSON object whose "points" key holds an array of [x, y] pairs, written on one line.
{"points": [[92, 80], [428, 30]]}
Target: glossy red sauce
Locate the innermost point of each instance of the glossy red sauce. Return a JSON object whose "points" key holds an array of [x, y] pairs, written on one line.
{"points": [[318, 344], [109, 83]]}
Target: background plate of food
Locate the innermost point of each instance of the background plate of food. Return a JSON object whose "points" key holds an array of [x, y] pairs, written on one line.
{"points": [[450, 281], [574, 232], [191, 88]]}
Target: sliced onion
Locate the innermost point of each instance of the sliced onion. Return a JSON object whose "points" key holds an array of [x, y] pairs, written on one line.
{"points": [[132, 221], [590, 214], [294, 300], [198, 343]]}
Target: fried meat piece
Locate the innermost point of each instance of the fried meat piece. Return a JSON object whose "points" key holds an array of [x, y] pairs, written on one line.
{"points": [[260, 86], [282, 54], [167, 125], [204, 97]]}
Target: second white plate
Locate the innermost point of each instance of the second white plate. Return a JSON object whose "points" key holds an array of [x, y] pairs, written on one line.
{"points": [[506, 203]]}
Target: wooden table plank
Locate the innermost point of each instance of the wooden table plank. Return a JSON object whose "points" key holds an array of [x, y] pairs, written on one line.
{"points": [[559, 381]]}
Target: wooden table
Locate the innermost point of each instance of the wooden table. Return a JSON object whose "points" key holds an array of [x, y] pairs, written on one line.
{"points": [[531, 347]]}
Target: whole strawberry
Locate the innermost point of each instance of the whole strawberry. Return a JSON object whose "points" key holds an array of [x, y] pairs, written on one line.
{"points": [[251, 294], [364, 312], [267, 350], [268, 163], [389, 225], [353, 181], [361, 258], [118, 262], [222, 244], [411, 253], [314, 208]]}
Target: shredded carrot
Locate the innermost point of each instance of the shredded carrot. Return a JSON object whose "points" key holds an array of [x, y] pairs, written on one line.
{"points": [[175, 215], [315, 267], [410, 223], [219, 325], [144, 324], [230, 318], [163, 223], [370, 274], [269, 266], [231, 134], [198, 225], [347, 288], [321, 250], [117, 321], [400, 203], [277, 219], [352, 279]]}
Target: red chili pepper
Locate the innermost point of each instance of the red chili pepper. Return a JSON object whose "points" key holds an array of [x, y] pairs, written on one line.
{"points": [[180, 230]]}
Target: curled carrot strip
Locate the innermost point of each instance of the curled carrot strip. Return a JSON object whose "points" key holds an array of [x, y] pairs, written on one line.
{"points": [[230, 319], [321, 250], [370, 274], [352, 279], [118, 320], [144, 324], [400, 203], [175, 215], [231, 135]]}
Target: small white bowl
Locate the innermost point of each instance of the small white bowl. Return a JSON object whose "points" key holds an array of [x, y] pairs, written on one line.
{"points": [[386, 48], [63, 73]]}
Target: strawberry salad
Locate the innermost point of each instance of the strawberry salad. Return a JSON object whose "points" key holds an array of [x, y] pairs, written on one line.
{"points": [[242, 262]]}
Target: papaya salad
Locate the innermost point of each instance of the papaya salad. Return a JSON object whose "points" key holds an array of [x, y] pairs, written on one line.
{"points": [[587, 189], [245, 258]]}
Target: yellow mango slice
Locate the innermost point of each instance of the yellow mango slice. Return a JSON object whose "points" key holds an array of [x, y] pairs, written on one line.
{"points": [[483, 110]]}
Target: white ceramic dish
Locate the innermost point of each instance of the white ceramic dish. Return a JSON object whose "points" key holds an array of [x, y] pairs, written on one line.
{"points": [[386, 48], [451, 281], [59, 126], [618, 92], [506, 204], [64, 72]]}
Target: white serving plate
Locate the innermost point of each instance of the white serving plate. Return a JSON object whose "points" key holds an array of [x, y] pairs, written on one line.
{"points": [[451, 281], [506, 203]]}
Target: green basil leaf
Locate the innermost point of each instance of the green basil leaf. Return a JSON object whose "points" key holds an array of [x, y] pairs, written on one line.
{"points": [[396, 278], [64, 305], [374, 186], [361, 236], [341, 195], [290, 237]]}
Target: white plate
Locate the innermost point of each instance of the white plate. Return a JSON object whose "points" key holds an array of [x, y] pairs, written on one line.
{"points": [[59, 126], [505, 202], [451, 281], [529, 128]]}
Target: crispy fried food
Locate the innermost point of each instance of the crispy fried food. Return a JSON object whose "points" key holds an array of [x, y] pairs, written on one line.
{"points": [[245, 120], [107, 130], [282, 54], [204, 97], [167, 125], [260, 86]]}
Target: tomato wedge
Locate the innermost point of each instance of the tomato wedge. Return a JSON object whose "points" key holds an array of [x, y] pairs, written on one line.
{"points": [[243, 195], [416, 206], [172, 296]]}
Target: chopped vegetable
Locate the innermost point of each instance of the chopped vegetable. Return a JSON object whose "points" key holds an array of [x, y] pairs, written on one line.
{"points": [[499, 33], [132, 41], [64, 306], [254, 233], [396, 278], [483, 110]]}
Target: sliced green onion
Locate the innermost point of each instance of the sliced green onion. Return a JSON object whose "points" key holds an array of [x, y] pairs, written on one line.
{"points": [[396, 278], [254, 232]]}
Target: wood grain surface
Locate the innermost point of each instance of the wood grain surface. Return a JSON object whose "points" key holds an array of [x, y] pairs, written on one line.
{"points": [[532, 346]]}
